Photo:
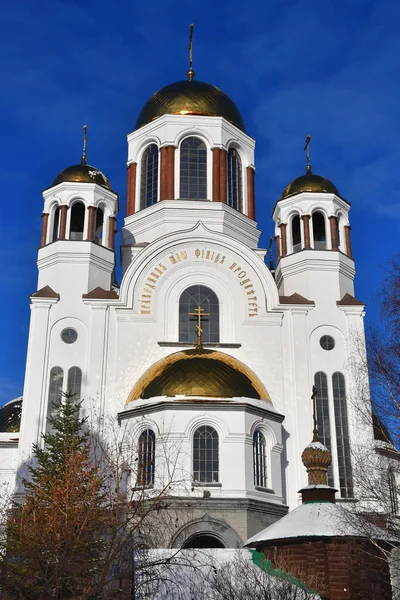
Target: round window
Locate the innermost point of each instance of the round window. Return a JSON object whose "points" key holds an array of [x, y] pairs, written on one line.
{"points": [[327, 342], [69, 335]]}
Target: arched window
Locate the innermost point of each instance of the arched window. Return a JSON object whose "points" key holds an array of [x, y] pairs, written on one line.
{"points": [[342, 435], [235, 181], [193, 169], [146, 458], [191, 299], [55, 387], [259, 459], [203, 540], [296, 234], [55, 393], [98, 228], [323, 422], [77, 223], [318, 222], [205, 455], [149, 177], [56, 220], [74, 383]]}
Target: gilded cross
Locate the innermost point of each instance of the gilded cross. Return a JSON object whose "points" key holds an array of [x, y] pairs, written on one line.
{"points": [[199, 313], [307, 149], [314, 399], [83, 161]]}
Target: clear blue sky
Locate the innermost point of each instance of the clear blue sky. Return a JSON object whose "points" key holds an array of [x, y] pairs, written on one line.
{"points": [[325, 67]]}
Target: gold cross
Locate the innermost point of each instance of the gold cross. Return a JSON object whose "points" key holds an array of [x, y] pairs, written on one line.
{"points": [[199, 313], [314, 399]]}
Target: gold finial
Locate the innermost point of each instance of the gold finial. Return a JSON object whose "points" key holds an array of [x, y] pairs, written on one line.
{"points": [[316, 458], [83, 160], [190, 73], [307, 149], [314, 399], [199, 313]]}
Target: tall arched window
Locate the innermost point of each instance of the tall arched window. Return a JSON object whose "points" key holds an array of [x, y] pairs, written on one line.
{"points": [[149, 177], [193, 169], [98, 228], [259, 459], [337, 232], [318, 222], [74, 383], [146, 458], [296, 234], [56, 220], [77, 223], [191, 299], [342, 435], [55, 393], [235, 181], [55, 387], [323, 421], [205, 455]]}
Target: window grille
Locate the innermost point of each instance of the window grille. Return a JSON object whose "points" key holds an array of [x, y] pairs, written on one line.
{"points": [[259, 459], [149, 177], [193, 169], [98, 228], [205, 455], [77, 221], [56, 219], [323, 421], [235, 180], [190, 300], [74, 383], [342, 435], [146, 458]]}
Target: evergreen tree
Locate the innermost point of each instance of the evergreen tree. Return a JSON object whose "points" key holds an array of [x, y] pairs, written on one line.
{"points": [[55, 536]]}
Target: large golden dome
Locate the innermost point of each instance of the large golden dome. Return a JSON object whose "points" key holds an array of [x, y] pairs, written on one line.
{"points": [[10, 416], [83, 173], [190, 98], [201, 377], [309, 183], [199, 373]]}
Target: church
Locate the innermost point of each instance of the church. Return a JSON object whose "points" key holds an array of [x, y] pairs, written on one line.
{"points": [[207, 346]]}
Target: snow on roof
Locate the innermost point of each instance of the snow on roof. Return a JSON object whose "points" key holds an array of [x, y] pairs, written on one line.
{"points": [[319, 519]]}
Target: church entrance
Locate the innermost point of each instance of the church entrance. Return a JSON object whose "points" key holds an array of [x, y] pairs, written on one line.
{"points": [[203, 540]]}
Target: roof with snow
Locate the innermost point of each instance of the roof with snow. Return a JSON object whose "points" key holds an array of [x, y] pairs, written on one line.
{"points": [[320, 519]]}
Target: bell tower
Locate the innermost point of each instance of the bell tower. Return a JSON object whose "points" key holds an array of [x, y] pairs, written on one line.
{"points": [[189, 160], [312, 235]]}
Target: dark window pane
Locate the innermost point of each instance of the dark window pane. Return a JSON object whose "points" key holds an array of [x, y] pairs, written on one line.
{"points": [[235, 180], [193, 169], [342, 435], [149, 177], [322, 404], [191, 299]]}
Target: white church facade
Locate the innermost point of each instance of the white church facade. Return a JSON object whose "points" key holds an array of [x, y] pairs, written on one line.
{"points": [[202, 345]]}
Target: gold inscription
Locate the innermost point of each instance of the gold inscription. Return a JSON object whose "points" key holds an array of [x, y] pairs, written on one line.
{"points": [[207, 254]]}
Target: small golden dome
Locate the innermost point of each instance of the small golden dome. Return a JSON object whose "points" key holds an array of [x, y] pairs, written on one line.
{"points": [[83, 173], [316, 459], [201, 376], [190, 98], [309, 183]]}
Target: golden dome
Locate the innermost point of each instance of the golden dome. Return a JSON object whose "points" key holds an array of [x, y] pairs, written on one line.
{"points": [[316, 459], [83, 173], [10, 416], [201, 377], [309, 183], [190, 98]]}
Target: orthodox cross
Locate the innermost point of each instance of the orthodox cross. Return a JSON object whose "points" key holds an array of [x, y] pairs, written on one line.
{"points": [[83, 161], [314, 399], [307, 149], [199, 313], [190, 73]]}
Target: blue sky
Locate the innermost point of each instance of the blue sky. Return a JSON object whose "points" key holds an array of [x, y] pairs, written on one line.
{"points": [[327, 68]]}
